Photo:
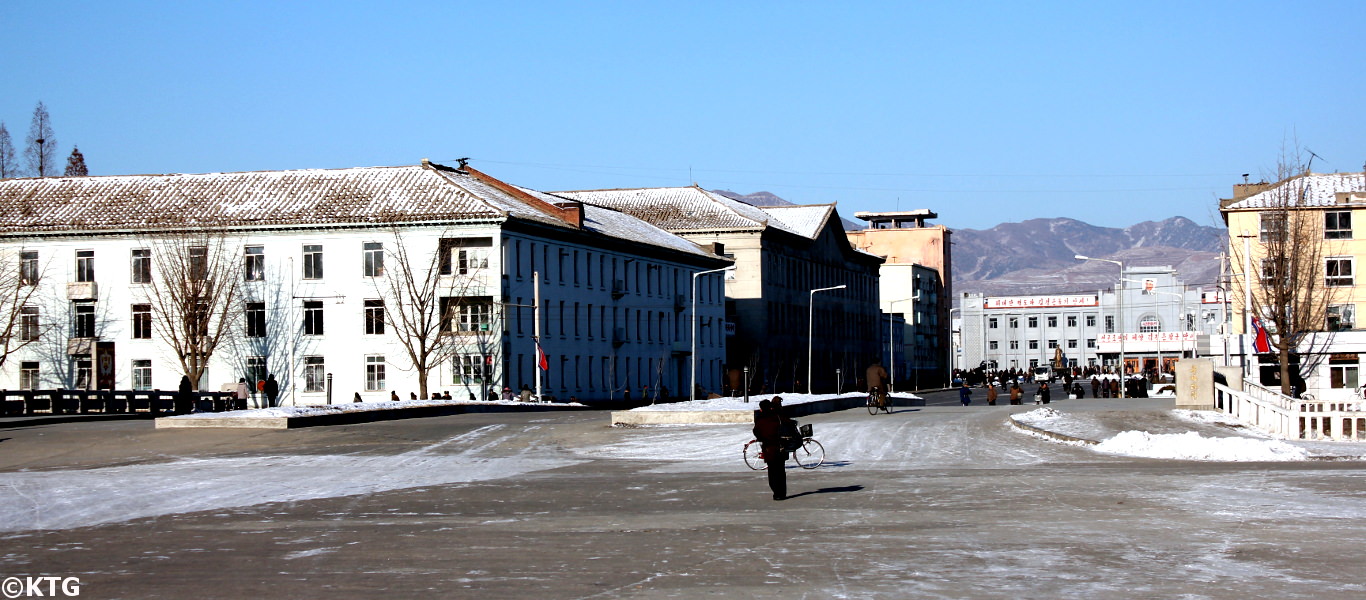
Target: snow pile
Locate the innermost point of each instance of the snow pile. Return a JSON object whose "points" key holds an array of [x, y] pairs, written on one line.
{"points": [[1193, 446], [350, 407], [1040, 417], [1209, 417]]}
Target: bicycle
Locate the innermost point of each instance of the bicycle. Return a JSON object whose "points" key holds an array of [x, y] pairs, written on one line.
{"points": [[808, 452], [878, 400]]}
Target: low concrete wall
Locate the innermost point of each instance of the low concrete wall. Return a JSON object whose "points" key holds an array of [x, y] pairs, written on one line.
{"points": [[637, 418], [350, 418]]}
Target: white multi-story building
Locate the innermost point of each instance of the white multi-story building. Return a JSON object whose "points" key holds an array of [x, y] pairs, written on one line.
{"points": [[342, 283]]}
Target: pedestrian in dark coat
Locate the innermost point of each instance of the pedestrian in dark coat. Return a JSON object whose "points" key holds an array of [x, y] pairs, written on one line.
{"points": [[768, 429], [1095, 387], [184, 397], [1015, 392], [965, 394], [1044, 394], [991, 394], [272, 391]]}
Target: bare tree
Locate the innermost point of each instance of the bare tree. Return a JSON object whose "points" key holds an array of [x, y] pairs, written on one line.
{"points": [[40, 150], [1292, 283], [67, 333], [269, 331], [20, 320], [195, 295], [439, 309], [9, 164]]}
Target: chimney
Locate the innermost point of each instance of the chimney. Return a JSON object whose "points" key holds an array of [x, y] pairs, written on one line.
{"points": [[571, 212]]}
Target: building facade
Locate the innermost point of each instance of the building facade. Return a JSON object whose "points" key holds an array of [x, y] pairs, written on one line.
{"points": [[348, 283]]}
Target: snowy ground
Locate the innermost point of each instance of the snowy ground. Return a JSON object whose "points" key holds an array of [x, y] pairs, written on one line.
{"points": [[350, 407], [738, 403]]}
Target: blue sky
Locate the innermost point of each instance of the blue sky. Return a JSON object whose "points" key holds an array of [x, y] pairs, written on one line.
{"points": [[1111, 113]]}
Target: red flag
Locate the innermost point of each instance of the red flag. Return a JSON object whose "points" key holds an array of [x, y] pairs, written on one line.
{"points": [[542, 361], [1261, 342]]}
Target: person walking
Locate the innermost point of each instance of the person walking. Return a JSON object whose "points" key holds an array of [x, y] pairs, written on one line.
{"points": [[965, 394], [240, 394], [272, 391], [1095, 387], [991, 394], [1045, 395], [184, 397], [1015, 392], [768, 429]]}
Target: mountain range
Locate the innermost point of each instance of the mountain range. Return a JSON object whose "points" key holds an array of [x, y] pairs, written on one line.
{"points": [[1037, 256]]}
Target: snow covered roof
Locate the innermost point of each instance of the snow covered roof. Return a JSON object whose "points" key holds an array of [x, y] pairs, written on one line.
{"points": [[1313, 189], [621, 225], [682, 209], [255, 198], [805, 220]]}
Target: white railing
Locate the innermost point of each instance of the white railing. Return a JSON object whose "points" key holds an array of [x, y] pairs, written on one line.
{"points": [[1292, 418]]}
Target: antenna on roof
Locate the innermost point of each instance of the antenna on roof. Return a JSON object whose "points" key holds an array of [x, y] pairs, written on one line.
{"points": [[464, 162], [1309, 167]]}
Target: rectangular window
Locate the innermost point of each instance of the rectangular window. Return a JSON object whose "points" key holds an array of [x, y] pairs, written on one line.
{"points": [[1091, 343], [313, 317], [1052, 344], [1071, 344], [142, 321], [992, 345], [83, 320], [472, 369], [28, 375], [1109, 324], [1014, 344], [1272, 226], [256, 319], [1337, 225], [315, 375], [81, 366], [992, 323], [140, 266], [1342, 371], [313, 261], [374, 259], [28, 267], [1052, 321], [374, 317], [256, 370], [85, 265], [1339, 272], [142, 374], [1274, 269], [199, 263], [28, 324], [254, 263], [1342, 317], [1033, 344], [1090, 320], [470, 260], [475, 316], [374, 373], [1014, 322], [1071, 320], [1033, 322]]}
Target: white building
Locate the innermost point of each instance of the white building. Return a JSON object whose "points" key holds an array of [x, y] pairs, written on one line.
{"points": [[316, 254]]}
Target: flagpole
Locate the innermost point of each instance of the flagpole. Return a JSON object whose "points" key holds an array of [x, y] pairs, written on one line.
{"points": [[536, 328]]}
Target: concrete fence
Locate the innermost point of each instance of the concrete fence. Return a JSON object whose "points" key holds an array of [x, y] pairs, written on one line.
{"points": [[57, 402], [1293, 418]]}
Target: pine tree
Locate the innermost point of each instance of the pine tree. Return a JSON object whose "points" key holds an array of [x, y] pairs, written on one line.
{"points": [[75, 164], [40, 149], [9, 166]]}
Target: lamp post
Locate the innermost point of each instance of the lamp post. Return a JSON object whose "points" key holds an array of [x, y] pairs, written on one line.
{"points": [[692, 331], [1119, 293], [954, 349], [811, 329], [891, 342]]}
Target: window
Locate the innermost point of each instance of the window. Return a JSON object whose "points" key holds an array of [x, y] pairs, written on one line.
{"points": [[1033, 344], [141, 266], [1071, 344], [1052, 344], [199, 263], [1052, 321], [1272, 226], [1091, 342], [1337, 225], [472, 259], [1109, 324], [1033, 322], [472, 369], [85, 265], [256, 370], [1274, 269], [142, 321], [1014, 344], [992, 323], [254, 263], [83, 320], [313, 317], [468, 315], [1071, 320], [28, 267], [374, 373], [1090, 320], [374, 259], [28, 375], [28, 324], [313, 262], [1149, 324], [256, 319], [1014, 322], [1339, 271], [142, 374], [1342, 317], [992, 345], [81, 366], [374, 317], [466, 255], [1342, 371], [315, 376]]}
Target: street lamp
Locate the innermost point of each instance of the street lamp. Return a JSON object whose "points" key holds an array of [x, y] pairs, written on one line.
{"points": [[811, 329], [1120, 295], [891, 341], [692, 332]]}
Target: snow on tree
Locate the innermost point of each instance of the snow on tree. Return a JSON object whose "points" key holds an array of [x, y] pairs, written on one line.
{"points": [[75, 164]]}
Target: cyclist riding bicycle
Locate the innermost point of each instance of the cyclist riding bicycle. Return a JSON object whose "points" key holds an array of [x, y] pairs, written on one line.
{"points": [[876, 376]]}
